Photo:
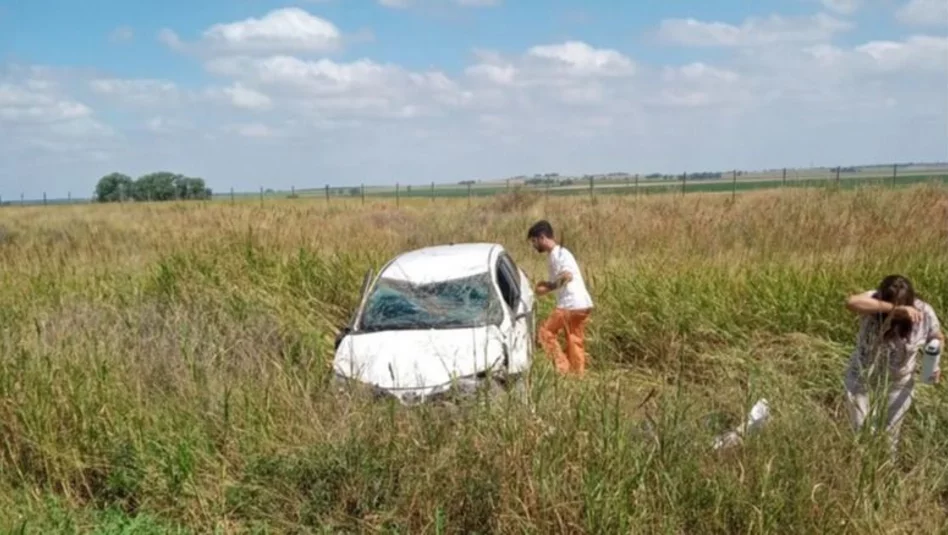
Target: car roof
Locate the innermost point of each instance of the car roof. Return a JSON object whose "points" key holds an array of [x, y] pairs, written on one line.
{"points": [[440, 263]]}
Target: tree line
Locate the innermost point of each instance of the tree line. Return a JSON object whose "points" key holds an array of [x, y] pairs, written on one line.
{"points": [[161, 186]]}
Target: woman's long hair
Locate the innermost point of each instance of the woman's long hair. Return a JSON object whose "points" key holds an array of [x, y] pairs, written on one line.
{"points": [[899, 291]]}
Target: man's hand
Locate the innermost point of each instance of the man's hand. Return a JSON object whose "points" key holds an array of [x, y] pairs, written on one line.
{"points": [[543, 288]]}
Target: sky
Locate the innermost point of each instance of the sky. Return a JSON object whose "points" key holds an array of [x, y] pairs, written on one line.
{"points": [[251, 93]]}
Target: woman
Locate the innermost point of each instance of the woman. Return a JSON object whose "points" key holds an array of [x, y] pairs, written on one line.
{"points": [[895, 325]]}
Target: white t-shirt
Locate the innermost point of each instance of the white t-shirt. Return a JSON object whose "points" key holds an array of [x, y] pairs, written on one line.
{"points": [[572, 296], [872, 353]]}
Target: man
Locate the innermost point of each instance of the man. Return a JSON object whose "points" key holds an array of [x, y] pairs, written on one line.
{"points": [[573, 302]]}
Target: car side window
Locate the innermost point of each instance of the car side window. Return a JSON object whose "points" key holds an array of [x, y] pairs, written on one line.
{"points": [[508, 281]]}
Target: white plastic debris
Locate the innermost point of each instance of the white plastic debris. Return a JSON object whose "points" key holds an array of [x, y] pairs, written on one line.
{"points": [[756, 418]]}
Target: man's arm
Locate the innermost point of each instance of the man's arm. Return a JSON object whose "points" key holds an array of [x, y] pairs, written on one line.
{"points": [[545, 287], [561, 280]]}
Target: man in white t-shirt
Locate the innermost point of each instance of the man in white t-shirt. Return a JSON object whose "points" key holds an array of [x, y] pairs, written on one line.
{"points": [[573, 302]]}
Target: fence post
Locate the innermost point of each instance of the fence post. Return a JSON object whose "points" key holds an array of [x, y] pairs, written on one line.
{"points": [[432, 191], [292, 192], [592, 187], [684, 182], [327, 193], [895, 173], [363, 194], [837, 175], [397, 187], [22, 202], [261, 196], [44, 198], [733, 185], [69, 197], [468, 194], [508, 184], [784, 176], [636, 184], [232, 195]]}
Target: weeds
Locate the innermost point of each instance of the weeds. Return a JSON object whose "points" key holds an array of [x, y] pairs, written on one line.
{"points": [[163, 369]]}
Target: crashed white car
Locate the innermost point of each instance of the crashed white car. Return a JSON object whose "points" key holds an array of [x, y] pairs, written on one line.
{"points": [[438, 321]]}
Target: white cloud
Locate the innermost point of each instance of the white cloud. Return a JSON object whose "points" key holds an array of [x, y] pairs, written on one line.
{"points": [[327, 89], [246, 98], [754, 31], [288, 29], [924, 13], [498, 74], [142, 92], [917, 54], [27, 103], [699, 72], [581, 58]]}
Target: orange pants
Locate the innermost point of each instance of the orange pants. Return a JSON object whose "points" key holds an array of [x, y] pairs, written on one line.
{"points": [[574, 323]]}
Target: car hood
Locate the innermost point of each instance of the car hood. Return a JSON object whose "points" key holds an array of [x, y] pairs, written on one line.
{"points": [[420, 360]]}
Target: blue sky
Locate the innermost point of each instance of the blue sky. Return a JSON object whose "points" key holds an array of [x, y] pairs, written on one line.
{"points": [[259, 92]]}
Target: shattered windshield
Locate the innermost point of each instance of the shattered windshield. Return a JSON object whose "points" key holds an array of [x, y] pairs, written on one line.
{"points": [[453, 304]]}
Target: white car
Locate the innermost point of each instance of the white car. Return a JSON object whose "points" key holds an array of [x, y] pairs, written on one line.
{"points": [[439, 320]]}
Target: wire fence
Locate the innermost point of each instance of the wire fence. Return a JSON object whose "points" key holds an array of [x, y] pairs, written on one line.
{"points": [[733, 182]]}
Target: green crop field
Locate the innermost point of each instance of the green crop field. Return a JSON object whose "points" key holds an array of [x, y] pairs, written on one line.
{"points": [[750, 182], [164, 369]]}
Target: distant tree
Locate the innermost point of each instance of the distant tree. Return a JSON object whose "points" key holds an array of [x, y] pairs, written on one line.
{"points": [[114, 187], [155, 187], [191, 188], [160, 186]]}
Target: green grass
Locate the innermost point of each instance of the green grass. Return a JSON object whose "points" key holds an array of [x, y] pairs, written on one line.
{"points": [[645, 187], [164, 369]]}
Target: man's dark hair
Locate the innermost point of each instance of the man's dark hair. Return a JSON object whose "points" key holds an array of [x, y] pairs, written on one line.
{"points": [[540, 229]]}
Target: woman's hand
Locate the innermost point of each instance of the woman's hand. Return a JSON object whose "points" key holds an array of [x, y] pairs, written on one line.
{"points": [[907, 312]]}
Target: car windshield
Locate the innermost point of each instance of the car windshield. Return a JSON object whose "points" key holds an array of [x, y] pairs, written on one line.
{"points": [[454, 304]]}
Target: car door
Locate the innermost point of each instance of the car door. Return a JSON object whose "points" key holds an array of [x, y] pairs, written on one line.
{"points": [[518, 330]]}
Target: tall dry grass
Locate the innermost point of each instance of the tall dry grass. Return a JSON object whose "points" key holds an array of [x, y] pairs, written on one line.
{"points": [[163, 368]]}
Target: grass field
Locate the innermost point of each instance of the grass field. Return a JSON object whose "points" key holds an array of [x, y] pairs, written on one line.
{"points": [[164, 369], [751, 182]]}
